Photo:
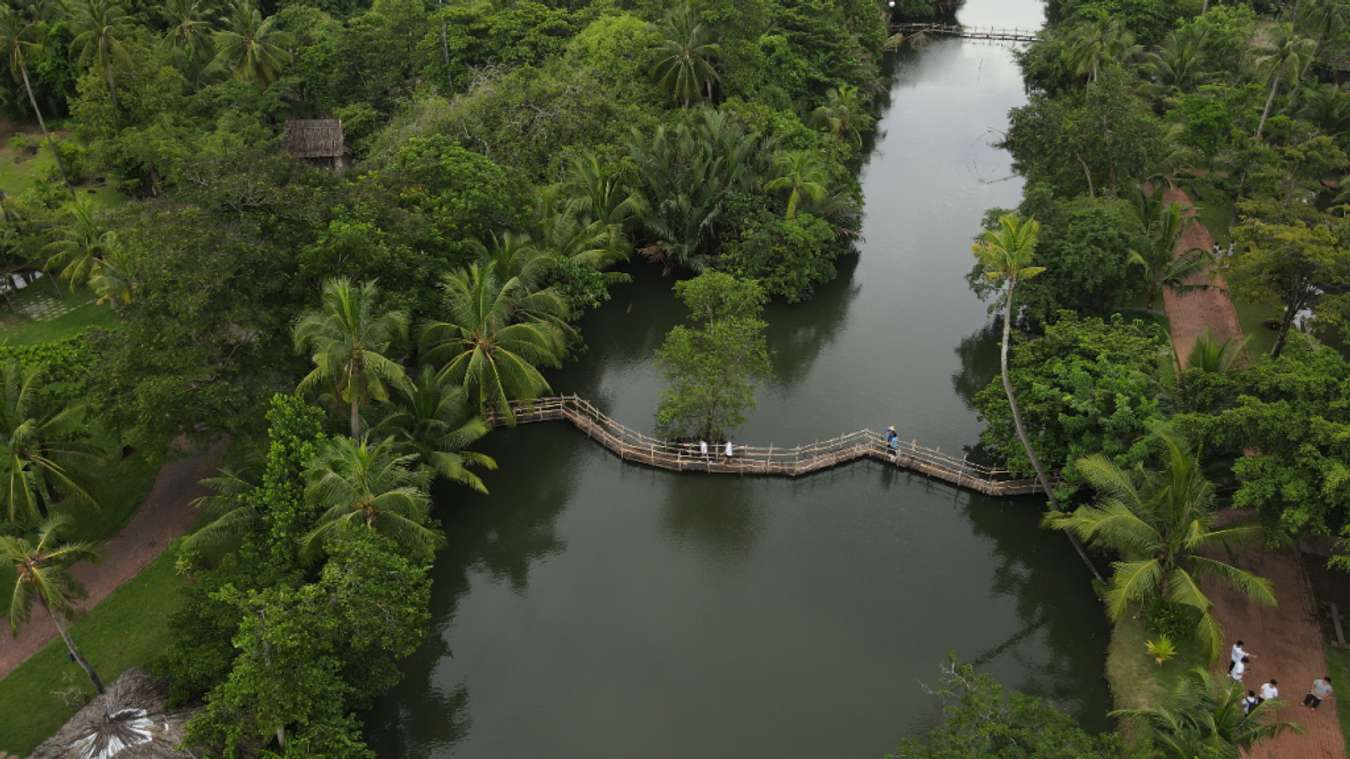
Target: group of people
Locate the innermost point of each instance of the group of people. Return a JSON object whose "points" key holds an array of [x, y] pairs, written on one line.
{"points": [[1220, 252], [727, 450], [1239, 658]]}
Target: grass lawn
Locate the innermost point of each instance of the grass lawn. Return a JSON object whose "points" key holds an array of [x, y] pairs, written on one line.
{"points": [[119, 487], [1214, 208], [1252, 317], [127, 629], [1136, 680], [19, 172], [17, 328], [1338, 659]]}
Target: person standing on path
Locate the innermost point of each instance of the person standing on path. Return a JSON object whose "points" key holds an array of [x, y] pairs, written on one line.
{"points": [[703, 449], [728, 450], [1269, 692], [1321, 688], [1238, 668], [1249, 702], [893, 442], [1237, 654]]}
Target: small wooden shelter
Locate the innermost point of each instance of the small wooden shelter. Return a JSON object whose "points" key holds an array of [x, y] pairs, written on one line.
{"points": [[318, 141]]}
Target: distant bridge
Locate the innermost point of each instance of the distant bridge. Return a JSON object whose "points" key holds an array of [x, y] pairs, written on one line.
{"points": [[965, 32], [771, 461]]}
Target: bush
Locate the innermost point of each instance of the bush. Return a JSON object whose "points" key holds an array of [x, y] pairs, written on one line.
{"points": [[1169, 620], [65, 365], [23, 144]]}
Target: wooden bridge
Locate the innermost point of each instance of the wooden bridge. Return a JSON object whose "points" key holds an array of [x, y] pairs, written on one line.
{"points": [[798, 461], [997, 34]]}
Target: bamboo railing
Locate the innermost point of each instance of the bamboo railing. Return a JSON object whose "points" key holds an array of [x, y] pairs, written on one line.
{"points": [[967, 32], [639, 448]]}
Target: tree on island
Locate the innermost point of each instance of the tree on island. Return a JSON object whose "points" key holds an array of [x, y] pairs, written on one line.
{"points": [[715, 363]]}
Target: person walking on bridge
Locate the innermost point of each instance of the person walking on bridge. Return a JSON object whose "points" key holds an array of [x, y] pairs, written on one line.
{"points": [[728, 449], [893, 442]]}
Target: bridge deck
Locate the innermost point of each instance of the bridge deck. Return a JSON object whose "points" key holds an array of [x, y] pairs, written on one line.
{"points": [[772, 461], [967, 32]]}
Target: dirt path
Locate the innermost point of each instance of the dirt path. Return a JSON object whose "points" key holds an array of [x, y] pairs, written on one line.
{"points": [[1285, 643], [1195, 312], [162, 517]]}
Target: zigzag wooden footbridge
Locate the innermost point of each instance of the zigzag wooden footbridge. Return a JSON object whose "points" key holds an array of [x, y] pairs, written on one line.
{"points": [[770, 461], [997, 34]]}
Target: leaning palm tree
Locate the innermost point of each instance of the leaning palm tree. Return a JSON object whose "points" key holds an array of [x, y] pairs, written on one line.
{"points": [[684, 57], [1006, 254], [100, 27], [44, 449], [1286, 57], [250, 47], [16, 39], [360, 484], [81, 245], [1204, 717], [434, 421], [1095, 46], [800, 174], [497, 334], [1161, 523], [42, 575], [347, 341]]}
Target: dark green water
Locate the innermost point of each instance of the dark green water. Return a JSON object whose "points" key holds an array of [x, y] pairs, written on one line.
{"points": [[589, 608]]}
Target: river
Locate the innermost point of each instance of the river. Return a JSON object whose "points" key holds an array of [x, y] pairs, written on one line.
{"points": [[589, 608]]}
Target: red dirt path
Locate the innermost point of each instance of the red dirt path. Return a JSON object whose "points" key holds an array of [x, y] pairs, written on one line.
{"points": [[1200, 310], [163, 516]]}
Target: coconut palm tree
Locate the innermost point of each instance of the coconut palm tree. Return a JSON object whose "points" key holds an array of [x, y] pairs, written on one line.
{"points": [[1180, 64], [347, 341], [249, 46], [81, 245], [16, 39], [1205, 718], [189, 29], [1329, 19], [360, 484], [1163, 526], [100, 27], [112, 280], [843, 114], [1162, 268], [1094, 46], [685, 56], [497, 333], [227, 508], [44, 449], [434, 421], [1286, 57], [1006, 254], [597, 191], [42, 575], [1215, 357], [798, 173]]}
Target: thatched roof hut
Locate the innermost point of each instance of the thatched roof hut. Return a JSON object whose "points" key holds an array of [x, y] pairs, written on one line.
{"points": [[318, 141], [129, 721]]}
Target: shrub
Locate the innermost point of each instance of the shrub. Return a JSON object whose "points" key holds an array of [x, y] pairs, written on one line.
{"points": [[1169, 621]]}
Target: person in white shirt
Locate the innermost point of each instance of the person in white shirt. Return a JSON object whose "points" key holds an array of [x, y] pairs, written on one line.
{"points": [[1236, 655], [703, 448], [1249, 702], [1321, 688], [1269, 691], [1238, 668], [728, 449]]}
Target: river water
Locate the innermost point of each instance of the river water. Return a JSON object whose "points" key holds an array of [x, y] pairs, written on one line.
{"points": [[589, 608]]}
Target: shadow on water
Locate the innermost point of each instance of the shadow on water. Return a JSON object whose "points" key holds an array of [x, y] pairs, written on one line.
{"points": [[978, 352], [719, 516]]}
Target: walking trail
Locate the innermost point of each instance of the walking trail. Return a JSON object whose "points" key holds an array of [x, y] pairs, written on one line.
{"points": [[163, 516], [1286, 641]]}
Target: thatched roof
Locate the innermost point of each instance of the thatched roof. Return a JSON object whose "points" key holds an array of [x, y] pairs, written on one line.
{"points": [[129, 721], [315, 138]]}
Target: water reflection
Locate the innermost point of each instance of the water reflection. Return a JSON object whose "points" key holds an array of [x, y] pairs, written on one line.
{"points": [[978, 353], [797, 334], [719, 516]]}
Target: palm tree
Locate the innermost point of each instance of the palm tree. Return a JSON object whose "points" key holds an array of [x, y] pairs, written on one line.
{"points": [[229, 512], [1214, 357], [497, 333], [42, 574], [434, 422], [44, 449], [360, 484], [1006, 254], [82, 245], [1328, 18], [189, 26], [347, 341], [684, 58], [1288, 55], [1163, 224], [1161, 523], [14, 37], [112, 280], [1180, 64], [1094, 46], [597, 190], [1205, 718], [842, 114], [99, 28], [250, 47], [800, 174]]}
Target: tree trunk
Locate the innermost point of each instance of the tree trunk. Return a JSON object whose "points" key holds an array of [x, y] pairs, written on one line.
{"points": [[356, 417], [1086, 173], [445, 53], [1270, 100], [112, 88], [1290, 311], [1022, 433], [75, 652], [60, 164]]}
